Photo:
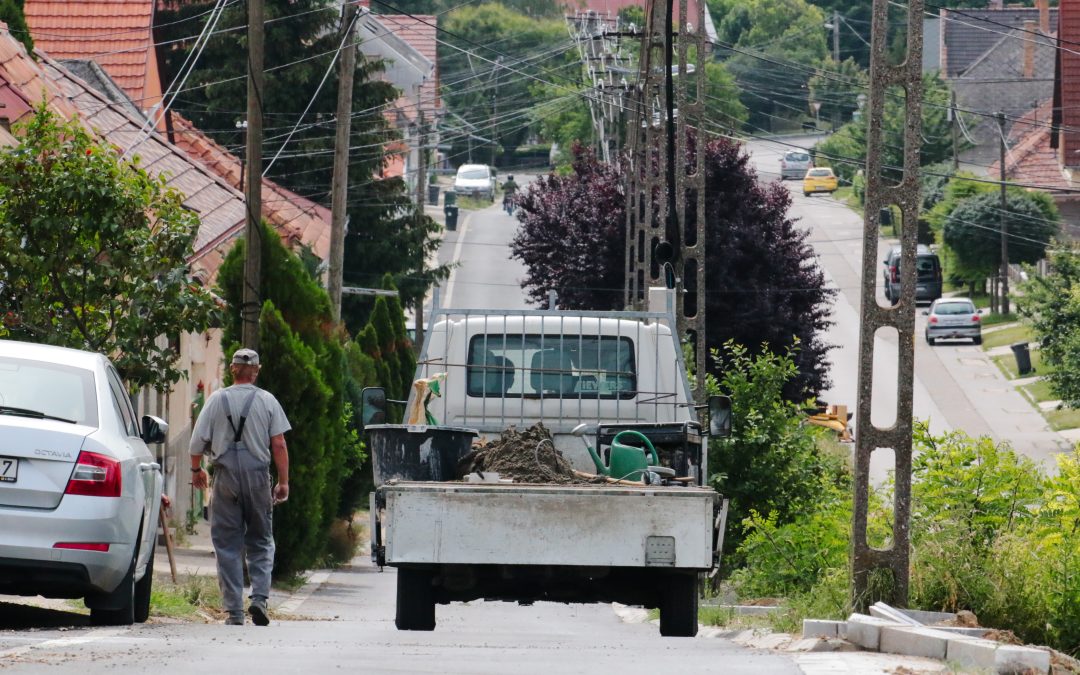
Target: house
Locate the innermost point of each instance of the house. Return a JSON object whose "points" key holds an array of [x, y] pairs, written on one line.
{"points": [[996, 59], [1044, 144]]}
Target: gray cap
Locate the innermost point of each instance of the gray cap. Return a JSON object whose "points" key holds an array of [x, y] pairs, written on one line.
{"points": [[245, 357]]}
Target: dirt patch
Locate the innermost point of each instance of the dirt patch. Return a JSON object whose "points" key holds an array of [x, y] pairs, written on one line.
{"points": [[1003, 636], [527, 456]]}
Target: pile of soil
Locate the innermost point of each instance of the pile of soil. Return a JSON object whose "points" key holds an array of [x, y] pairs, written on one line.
{"points": [[526, 456]]}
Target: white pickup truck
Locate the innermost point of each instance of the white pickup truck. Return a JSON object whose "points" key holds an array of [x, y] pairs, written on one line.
{"points": [[636, 544]]}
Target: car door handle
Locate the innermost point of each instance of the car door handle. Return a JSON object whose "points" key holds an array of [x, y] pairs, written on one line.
{"points": [[153, 466]]}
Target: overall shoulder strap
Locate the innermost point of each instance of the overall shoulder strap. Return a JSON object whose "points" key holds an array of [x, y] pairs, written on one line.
{"points": [[245, 413]]}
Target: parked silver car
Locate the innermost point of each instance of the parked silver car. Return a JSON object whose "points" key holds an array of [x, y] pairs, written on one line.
{"points": [[80, 491], [475, 180], [953, 318], [794, 164]]}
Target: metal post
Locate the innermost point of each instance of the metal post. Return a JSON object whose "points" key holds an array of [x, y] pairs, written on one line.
{"points": [[1003, 219], [340, 185], [884, 573], [253, 185]]}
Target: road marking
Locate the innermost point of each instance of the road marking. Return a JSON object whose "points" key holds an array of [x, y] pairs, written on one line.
{"points": [[93, 636], [291, 605], [455, 258]]}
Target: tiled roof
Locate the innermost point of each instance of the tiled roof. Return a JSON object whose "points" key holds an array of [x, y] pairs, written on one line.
{"points": [[420, 32], [966, 37], [1030, 158], [23, 84], [117, 34], [1068, 85], [298, 219]]}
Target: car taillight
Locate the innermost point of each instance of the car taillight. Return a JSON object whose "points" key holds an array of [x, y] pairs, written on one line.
{"points": [[895, 274], [933, 319], [95, 476], [82, 546], [975, 318]]}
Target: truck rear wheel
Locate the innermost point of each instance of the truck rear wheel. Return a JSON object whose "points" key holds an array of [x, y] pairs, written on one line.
{"points": [[415, 600], [679, 606]]}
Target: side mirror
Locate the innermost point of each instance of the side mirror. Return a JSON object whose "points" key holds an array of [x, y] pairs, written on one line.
{"points": [[926, 312], [978, 311], [373, 406], [154, 429], [719, 416]]}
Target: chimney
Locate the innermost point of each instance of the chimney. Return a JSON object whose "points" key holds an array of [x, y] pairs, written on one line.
{"points": [[1029, 49], [1044, 16]]}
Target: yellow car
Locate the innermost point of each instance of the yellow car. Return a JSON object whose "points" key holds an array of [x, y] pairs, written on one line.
{"points": [[819, 179]]}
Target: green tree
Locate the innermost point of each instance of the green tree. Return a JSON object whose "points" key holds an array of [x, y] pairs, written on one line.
{"points": [[93, 252], [770, 465], [722, 103], [11, 13], [1051, 304], [837, 87], [497, 97], [972, 231], [291, 373]]}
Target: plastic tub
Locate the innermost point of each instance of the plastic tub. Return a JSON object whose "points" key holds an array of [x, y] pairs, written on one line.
{"points": [[417, 452]]}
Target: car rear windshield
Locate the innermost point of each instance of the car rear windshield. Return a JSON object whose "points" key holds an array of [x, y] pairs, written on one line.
{"points": [[551, 366], [955, 308], [819, 172], [49, 388], [474, 174], [797, 157]]}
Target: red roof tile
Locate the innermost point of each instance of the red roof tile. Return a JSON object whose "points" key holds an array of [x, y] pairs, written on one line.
{"points": [[1030, 158], [117, 34]]}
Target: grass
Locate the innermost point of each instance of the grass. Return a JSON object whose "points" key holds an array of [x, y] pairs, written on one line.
{"points": [[1007, 336], [1039, 391], [1007, 364], [472, 204], [846, 195], [191, 597], [995, 319], [1066, 418]]}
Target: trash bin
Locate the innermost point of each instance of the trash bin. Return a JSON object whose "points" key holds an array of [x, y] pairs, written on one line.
{"points": [[450, 211], [433, 194], [450, 197], [1023, 357]]}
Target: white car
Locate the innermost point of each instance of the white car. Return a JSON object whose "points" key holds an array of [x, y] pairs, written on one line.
{"points": [[475, 180], [80, 491]]}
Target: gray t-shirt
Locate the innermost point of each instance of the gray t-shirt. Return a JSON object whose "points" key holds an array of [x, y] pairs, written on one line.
{"points": [[212, 433]]}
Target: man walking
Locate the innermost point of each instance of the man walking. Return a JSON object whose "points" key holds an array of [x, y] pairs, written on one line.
{"points": [[240, 428]]}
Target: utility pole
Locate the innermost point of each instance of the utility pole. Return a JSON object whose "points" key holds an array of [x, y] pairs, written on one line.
{"points": [[421, 159], [253, 185], [340, 185], [1003, 214], [835, 36], [955, 127]]}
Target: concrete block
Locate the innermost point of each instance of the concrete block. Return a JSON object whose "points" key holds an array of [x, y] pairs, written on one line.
{"points": [[914, 641], [1014, 660], [929, 618], [812, 628], [889, 613], [962, 631], [975, 653], [865, 631]]}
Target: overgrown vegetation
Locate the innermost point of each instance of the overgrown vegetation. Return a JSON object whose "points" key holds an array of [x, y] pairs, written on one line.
{"points": [[1051, 304]]}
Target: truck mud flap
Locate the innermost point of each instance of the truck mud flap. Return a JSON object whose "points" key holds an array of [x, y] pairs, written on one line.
{"points": [[719, 525]]}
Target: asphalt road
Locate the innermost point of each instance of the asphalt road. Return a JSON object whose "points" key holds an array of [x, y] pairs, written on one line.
{"points": [[956, 385]]}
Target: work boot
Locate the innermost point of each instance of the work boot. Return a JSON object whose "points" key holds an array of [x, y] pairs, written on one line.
{"points": [[259, 614], [235, 619]]}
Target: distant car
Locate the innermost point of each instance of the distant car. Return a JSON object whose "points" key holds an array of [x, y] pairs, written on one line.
{"points": [[794, 164], [950, 318], [927, 275], [80, 491], [821, 179], [475, 180]]}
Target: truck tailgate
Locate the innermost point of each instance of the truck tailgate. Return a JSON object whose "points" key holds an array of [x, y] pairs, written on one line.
{"points": [[525, 524]]}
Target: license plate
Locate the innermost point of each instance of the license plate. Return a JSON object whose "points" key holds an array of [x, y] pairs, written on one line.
{"points": [[9, 469]]}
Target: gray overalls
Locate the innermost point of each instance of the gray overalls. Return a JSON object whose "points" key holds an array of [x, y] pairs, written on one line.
{"points": [[241, 517]]}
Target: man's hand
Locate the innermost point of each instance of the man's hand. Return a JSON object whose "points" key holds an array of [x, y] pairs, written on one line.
{"points": [[200, 480], [281, 493]]}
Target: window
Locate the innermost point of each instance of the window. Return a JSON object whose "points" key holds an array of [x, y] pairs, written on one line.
{"points": [[555, 366], [475, 174], [123, 404], [60, 391], [820, 172], [797, 157], [951, 308]]}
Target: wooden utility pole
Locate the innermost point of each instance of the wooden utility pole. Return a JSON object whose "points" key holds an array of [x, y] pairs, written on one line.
{"points": [[836, 36], [421, 159], [253, 185], [340, 187], [953, 115], [1002, 215]]}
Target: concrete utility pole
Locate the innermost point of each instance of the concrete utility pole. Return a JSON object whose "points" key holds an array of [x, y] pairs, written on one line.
{"points": [[883, 574], [955, 126], [253, 185], [836, 36], [340, 187], [1003, 216]]}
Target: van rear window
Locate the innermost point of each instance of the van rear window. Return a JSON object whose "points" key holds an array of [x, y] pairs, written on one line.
{"points": [[551, 366]]}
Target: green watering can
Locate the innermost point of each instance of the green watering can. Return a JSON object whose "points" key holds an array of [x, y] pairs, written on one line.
{"points": [[628, 462]]}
